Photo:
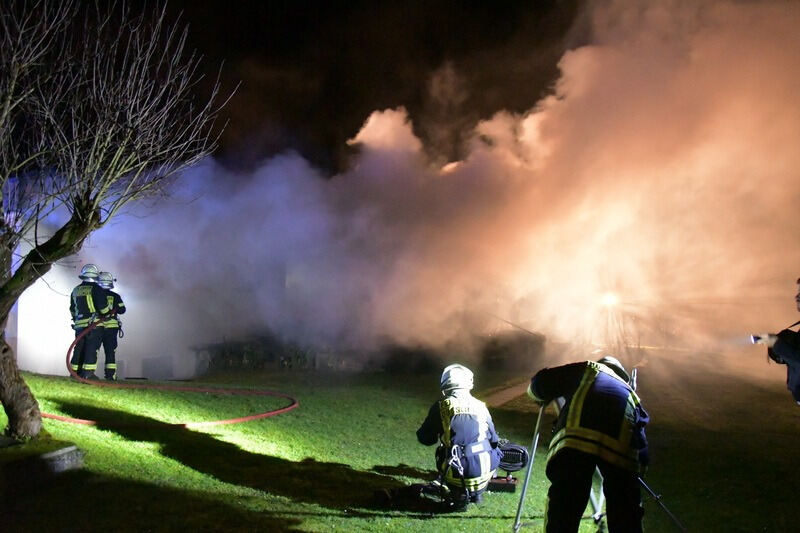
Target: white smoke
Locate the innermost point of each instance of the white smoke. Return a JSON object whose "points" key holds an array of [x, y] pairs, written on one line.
{"points": [[664, 168]]}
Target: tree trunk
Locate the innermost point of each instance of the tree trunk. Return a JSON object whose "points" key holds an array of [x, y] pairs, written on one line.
{"points": [[24, 417], [22, 409]]}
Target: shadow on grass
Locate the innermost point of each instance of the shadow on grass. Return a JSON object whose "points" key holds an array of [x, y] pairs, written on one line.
{"points": [[84, 501], [518, 426], [405, 470], [332, 485]]}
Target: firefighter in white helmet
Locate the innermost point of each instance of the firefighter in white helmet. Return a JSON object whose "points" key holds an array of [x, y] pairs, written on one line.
{"points": [[87, 304], [468, 453], [112, 327]]}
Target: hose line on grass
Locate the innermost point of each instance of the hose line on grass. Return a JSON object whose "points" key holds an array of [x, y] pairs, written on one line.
{"points": [[293, 403]]}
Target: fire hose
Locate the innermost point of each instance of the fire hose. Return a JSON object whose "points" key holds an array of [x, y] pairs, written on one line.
{"points": [[293, 403], [532, 454]]}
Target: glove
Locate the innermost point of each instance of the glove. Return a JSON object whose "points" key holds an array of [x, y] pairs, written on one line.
{"points": [[767, 339], [538, 401]]}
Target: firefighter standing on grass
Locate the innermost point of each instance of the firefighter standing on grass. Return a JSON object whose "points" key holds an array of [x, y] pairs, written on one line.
{"points": [[467, 456], [87, 304], [112, 327], [601, 425], [784, 349]]}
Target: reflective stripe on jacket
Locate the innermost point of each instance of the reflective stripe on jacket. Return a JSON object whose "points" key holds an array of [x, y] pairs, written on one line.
{"points": [[464, 427], [602, 416], [117, 307], [87, 301]]}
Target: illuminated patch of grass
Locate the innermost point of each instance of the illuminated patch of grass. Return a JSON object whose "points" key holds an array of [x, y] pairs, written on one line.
{"points": [[312, 469], [720, 466]]}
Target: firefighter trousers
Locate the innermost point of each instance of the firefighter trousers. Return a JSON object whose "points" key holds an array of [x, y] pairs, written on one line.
{"points": [[84, 355], [110, 349], [570, 473]]}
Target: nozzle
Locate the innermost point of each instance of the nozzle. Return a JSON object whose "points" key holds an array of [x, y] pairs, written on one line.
{"points": [[767, 339]]}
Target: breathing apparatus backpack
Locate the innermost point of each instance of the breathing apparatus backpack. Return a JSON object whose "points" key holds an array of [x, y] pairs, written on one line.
{"points": [[515, 456]]}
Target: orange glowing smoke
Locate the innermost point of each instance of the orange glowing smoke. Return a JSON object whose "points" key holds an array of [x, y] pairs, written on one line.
{"points": [[663, 169]]}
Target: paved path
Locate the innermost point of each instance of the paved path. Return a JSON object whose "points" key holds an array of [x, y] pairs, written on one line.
{"points": [[500, 397]]}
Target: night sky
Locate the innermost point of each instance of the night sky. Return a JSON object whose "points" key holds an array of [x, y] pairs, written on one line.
{"points": [[312, 72]]}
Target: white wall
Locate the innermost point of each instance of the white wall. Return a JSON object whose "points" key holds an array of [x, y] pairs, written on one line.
{"points": [[43, 331]]}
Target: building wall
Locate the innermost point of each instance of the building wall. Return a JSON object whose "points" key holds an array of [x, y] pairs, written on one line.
{"points": [[42, 323]]}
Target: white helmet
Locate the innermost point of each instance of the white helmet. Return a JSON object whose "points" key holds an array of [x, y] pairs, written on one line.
{"points": [[456, 376], [89, 272], [614, 364], [106, 280]]}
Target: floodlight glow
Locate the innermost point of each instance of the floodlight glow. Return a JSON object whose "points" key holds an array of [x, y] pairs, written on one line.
{"points": [[609, 299], [43, 330]]}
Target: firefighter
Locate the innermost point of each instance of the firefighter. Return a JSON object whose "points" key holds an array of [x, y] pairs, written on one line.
{"points": [[468, 453], [601, 425], [112, 327], [87, 304], [784, 349]]}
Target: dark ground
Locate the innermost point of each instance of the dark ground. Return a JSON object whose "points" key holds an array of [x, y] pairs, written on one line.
{"points": [[723, 440]]}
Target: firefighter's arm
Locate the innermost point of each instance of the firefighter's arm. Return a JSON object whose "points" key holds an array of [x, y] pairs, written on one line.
{"points": [[120, 306], [532, 394], [494, 438], [98, 295], [767, 339], [428, 433], [787, 345], [639, 441], [644, 460], [550, 383]]}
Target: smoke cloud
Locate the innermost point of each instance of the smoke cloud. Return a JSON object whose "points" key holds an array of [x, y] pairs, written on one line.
{"points": [[663, 168]]}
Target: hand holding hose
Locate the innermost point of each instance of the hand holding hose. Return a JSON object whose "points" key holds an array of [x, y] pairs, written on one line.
{"points": [[767, 339]]}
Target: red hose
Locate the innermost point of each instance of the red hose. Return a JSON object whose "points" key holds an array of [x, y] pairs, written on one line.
{"points": [[239, 392]]}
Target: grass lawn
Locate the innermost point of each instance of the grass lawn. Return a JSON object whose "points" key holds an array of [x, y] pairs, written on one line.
{"points": [[722, 461]]}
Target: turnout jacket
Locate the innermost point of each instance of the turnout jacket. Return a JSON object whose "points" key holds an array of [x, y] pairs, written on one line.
{"points": [[463, 426], [117, 307], [787, 350], [87, 301], [602, 415]]}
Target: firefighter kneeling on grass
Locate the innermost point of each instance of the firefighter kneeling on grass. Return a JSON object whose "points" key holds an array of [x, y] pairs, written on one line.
{"points": [[468, 453], [601, 425]]}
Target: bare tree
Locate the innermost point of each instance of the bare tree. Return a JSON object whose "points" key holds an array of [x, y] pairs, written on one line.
{"points": [[98, 110]]}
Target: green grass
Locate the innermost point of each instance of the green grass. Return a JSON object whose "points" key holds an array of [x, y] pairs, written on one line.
{"points": [[315, 468], [312, 469]]}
